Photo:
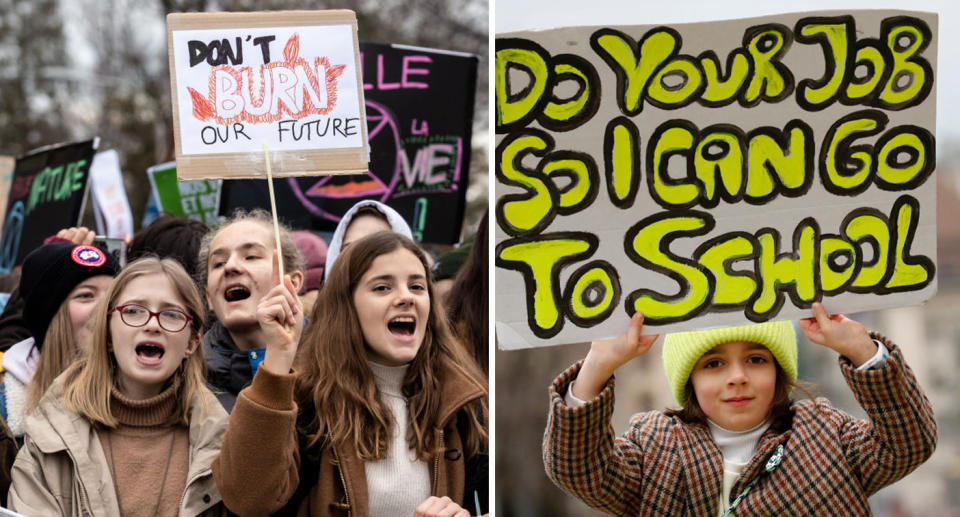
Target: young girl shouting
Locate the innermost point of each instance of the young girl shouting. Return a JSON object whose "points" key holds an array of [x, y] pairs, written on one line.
{"points": [[739, 445], [375, 412], [130, 429]]}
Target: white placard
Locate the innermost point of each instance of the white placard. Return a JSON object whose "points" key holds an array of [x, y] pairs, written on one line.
{"points": [[713, 174], [292, 87], [106, 182]]}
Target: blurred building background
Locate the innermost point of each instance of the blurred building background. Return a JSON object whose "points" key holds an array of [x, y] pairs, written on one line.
{"points": [[929, 336]]}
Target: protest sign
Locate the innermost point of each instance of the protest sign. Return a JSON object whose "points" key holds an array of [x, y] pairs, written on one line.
{"points": [[289, 79], [419, 106], [47, 195], [111, 207], [197, 200], [6, 177], [713, 174]]}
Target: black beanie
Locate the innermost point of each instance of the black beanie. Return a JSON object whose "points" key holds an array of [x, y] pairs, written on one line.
{"points": [[50, 272]]}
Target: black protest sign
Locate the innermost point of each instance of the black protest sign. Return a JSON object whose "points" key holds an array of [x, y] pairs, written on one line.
{"points": [[419, 106], [46, 195]]}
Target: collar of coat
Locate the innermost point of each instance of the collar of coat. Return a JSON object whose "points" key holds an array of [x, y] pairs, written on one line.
{"points": [[457, 390], [53, 429]]}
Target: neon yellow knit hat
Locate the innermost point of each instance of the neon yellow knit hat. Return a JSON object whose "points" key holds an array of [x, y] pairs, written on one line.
{"points": [[682, 350]]}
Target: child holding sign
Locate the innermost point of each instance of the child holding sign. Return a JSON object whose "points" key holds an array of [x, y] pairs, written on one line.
{"points": [[739, 445], [131, 429], [376, 411]]}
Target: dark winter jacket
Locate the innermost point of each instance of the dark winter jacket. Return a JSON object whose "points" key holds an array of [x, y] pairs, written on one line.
{"points": [[228, 368], [12, 327]]}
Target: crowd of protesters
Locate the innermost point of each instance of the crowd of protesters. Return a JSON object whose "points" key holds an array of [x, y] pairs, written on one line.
{"points": [[194, 380]]}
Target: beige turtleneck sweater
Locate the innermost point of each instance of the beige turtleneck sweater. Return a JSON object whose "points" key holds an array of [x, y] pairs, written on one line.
{"points": [[148, 453], [397, 484]]}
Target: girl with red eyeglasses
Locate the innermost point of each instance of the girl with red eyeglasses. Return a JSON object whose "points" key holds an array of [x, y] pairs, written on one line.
{"points": [[131, 429]]}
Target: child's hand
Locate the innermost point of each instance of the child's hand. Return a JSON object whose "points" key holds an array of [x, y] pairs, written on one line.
{"points": [[608, 355], [840, 333]]}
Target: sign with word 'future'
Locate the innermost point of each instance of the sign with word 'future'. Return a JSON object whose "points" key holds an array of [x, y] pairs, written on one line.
{"points": [[47, 194], [289, 79], [713, 174], [419, 104]]}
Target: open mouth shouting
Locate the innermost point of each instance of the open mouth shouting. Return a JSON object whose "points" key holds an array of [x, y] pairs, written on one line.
{"points": [[236, 293], [149, 353], [402, 327]]}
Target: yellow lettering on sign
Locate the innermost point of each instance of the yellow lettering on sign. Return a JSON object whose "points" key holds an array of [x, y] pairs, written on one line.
{"points": [[539, 261], [510, 110], [524, 214], [648, 245], [634, 68], [775, 270]]}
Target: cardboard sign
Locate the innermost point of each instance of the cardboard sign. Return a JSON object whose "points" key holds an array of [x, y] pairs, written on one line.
{"points": [[112, 209], [420, 109], [289, 79], [47, 195], [713, 174], [197, 200]]}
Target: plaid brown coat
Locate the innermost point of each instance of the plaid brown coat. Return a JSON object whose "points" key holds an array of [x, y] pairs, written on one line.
{"points": [[661, 466]]}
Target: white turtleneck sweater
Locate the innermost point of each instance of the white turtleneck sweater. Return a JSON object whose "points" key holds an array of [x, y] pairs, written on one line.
{"points": [[397, 484], [737, 447]]}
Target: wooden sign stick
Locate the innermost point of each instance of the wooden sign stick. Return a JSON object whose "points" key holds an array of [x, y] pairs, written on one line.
{"points": [[273, 210]]}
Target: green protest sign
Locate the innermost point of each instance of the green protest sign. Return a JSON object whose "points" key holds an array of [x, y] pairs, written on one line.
{"points": [[198, 200], [712, 174]]}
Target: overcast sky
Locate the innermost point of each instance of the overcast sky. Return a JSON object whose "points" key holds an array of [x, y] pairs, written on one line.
{"points": [[518, 15]]}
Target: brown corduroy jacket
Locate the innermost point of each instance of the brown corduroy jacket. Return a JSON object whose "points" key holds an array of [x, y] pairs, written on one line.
{"points": [[258, 470], [661, 466]]}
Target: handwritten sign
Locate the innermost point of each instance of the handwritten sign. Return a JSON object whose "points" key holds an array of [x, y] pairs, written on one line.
{"points": [[419, 104], [47, 194], [289, 78], [198, 200], [713, 174]]}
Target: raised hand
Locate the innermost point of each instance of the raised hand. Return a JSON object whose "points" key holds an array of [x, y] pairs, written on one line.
{"points": [[607, 355], [77, 235], [839, 333], [280, 314], [440, 507]]}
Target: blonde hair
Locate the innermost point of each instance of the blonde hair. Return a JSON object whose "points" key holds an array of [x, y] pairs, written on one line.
{"points": [[88, 382], [59, 351]]}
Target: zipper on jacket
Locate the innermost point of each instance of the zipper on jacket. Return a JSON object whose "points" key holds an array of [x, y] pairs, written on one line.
{"points": [[436, 465], [84, 498], [343, 481]]}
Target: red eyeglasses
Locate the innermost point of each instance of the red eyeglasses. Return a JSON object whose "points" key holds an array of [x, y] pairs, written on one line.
{"points": [[171, 320]]}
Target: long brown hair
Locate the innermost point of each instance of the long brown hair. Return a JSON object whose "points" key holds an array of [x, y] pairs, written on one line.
{"points": [[338, 386], [59, 351], [466, 302], [88, 381]]}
